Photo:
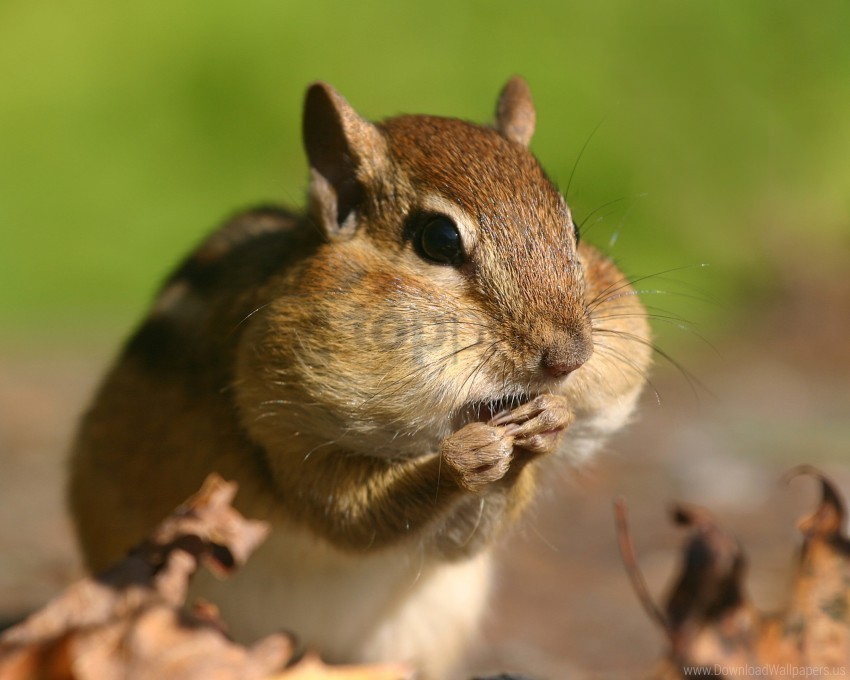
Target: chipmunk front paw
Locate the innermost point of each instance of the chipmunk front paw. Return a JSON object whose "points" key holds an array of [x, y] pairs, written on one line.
{"points": [[480, 454], [538, 425]]}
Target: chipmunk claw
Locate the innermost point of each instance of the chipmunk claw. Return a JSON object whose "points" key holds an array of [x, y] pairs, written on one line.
{"points": [[478, 455], [537, 425]]}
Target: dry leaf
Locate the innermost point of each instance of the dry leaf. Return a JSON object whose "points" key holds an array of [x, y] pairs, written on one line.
{"points": [[312, 668], [130, 623], [714, 629]]}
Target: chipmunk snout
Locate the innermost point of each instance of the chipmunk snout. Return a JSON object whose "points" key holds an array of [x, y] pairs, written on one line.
{"points": [[563, 356]]}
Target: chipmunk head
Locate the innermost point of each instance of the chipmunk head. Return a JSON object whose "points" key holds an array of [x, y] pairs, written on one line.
{"points": [[450, 282]]}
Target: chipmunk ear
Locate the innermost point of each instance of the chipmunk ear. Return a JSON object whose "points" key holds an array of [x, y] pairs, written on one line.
{"points": [[343, 150], [515, 114]]}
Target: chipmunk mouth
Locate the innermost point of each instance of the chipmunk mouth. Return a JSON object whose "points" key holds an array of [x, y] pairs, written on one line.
{"points": [[485, 410]]}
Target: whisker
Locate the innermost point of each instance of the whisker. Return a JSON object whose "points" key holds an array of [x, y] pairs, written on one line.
{"points": [[317, 447], [485, 357], [578, 158], [249, 315], [693, 381], [656, 291], [625, 282], [615, 235], [477, 522], [581, 228], [672, 320], [400, 382], [614, 354]]}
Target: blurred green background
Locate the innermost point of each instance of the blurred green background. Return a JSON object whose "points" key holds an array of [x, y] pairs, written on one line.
{"points": [[127, 130]]}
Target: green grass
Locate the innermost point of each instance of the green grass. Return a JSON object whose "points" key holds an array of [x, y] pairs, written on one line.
{"points": [[127, 130]]}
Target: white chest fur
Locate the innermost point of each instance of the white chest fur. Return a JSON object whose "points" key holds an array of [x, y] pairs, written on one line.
{"points": [[390, 605]]}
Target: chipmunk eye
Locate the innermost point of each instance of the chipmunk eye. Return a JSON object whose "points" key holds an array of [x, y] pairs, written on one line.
{"points": [[439, 241], [576, 232]]}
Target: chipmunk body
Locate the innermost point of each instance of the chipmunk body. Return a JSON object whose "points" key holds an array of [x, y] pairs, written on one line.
{"points": [[380, 375]]}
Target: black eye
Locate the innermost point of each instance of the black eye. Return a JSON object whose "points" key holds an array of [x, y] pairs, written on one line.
{"points": [[439, 241], [576, 232]]}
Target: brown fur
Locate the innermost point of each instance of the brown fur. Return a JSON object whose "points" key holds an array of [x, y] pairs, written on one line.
{"points": [[322, 363]]}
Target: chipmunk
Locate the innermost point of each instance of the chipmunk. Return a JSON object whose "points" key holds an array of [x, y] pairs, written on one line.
{"points": [[383, 376]]}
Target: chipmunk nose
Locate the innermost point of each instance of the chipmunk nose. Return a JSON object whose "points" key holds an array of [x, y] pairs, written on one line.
{"points": [[561, 359], [558, 369]]}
